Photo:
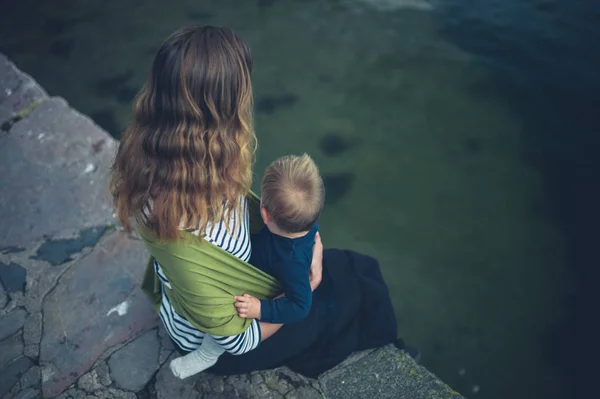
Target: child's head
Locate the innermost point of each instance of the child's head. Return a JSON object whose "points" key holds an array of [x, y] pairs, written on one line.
{"points": [[293, 193]]}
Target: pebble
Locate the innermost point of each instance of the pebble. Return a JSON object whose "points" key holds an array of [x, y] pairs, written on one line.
{"points": [[89, 168]]}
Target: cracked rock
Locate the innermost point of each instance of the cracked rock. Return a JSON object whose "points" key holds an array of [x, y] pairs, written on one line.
{"points": [[17, 90], [166, 344], [132, 366], [168, 386], [306, 392], [81, 321], [89, 382], [103, 374], [59, 251], [32, 330], [3, 297], [32, 351], [10, 349], [28, 393], [11, 374], [31, 378], [72, 394], [54, 165], [13, 277], [12, 322], [112, 393]]}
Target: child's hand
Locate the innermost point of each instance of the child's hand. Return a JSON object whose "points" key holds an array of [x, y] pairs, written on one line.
{"points": [[248, 307]]}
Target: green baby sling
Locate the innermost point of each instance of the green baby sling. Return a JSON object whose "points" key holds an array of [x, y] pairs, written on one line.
{"points": [[204, 278]]}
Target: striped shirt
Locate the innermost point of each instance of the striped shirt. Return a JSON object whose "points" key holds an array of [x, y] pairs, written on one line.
{"points": [[232, 235]]}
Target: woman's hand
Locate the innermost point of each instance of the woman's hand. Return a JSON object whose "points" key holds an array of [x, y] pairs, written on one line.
{"points": [[248, 307], [316, 268]]}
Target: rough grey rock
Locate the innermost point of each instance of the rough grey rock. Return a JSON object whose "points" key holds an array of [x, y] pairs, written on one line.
{"points": [[49, 151], [272, 384], [89, 382], [10, 349], [32, 329], [307, 392], [13, 277], [132, 366], [17, 90], [31, 378], [32, 351], [3, 297], [166, 344], [112, 393], [28, 393], [104, 288], [61, 250], [12, 322], [168, 386], [283, 380], [72, 394], [11, 374], [385, 373], [103, 373]]}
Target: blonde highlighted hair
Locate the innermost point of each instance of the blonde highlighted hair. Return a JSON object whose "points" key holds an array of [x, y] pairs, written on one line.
{"points": [[186, 158], [293, 193]]}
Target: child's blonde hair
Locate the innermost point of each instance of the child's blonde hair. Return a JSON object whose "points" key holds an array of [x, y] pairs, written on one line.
{"points": [[293, 193]]}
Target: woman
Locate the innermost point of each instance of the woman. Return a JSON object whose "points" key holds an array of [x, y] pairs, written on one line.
{"points": [[184, 169]]}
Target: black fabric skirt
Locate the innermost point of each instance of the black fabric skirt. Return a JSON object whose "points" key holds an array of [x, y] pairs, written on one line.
{"points": [[351, 310]]}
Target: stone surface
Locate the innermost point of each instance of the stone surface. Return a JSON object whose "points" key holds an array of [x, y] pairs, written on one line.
{"points": [[271, 384], [103, 373], [31, 378], [104, 288], [61, 250], [32, 351], [10, 349], [283, 380], [17, 90], [12, 373], [32, 329], [168, 386], [89, 382], [307, 392], [13, 277], [384, 373], [72, 394], [132, 366], [166, 344], [3, 297], [112, 393], [12, 322], [48, 152], [28, 393]]}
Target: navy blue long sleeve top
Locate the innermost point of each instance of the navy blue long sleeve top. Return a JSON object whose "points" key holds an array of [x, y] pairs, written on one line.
{"points": [[288, 260]]}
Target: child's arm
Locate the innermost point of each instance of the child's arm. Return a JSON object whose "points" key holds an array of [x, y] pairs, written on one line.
{"points": [[292, 307]]}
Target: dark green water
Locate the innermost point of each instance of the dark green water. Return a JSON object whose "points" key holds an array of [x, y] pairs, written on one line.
{"points": [[457, 140]]}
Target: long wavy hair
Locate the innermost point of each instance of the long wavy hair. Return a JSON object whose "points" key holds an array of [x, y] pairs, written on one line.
{"points": [[186, 159]]}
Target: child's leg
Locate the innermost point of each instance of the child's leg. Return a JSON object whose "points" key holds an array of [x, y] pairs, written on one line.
{"points": [[199, 360], [214, 346]]}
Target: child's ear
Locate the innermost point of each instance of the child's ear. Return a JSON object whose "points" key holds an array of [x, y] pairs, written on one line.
{"points": [[265, 215]]}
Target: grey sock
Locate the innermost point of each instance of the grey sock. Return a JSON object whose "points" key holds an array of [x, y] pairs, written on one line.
{"points": [[199, 360]]}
